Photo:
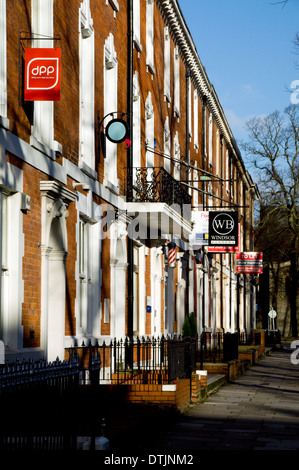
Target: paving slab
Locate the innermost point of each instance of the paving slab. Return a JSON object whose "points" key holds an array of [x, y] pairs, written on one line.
{"points": [[259, 410]]}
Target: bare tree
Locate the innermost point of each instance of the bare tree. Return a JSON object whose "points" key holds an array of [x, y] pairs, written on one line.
{"points": [[273, 150]]}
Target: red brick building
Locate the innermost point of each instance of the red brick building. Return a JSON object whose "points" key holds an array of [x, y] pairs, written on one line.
{"points": [[85, 221]]}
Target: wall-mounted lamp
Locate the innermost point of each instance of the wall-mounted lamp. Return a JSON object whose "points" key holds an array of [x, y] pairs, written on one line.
{"points": [[117, 130]]}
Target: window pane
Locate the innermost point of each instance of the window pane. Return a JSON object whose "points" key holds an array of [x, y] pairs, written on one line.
{"points": [[4, 231]]}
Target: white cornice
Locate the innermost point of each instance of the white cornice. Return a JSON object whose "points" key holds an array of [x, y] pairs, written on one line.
{"points": [[178, 29], [54, 190]]}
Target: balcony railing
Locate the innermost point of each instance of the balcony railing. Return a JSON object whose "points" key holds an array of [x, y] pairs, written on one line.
{"points": [[157, 185]]}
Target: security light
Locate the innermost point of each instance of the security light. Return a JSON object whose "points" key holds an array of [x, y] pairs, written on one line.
{"points": [[85, 186]]}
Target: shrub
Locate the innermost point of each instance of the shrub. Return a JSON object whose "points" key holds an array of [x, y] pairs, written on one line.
{"points": [[189, 326]]}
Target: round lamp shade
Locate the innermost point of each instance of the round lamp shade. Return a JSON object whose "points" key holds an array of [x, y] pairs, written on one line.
{"points": [[116, 130]]}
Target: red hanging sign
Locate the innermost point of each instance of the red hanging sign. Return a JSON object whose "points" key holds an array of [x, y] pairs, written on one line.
{"points": [[249, 263], [42, 74]]}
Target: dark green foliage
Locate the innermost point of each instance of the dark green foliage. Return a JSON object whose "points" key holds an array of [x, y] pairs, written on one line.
{"points": [[189, 326]]}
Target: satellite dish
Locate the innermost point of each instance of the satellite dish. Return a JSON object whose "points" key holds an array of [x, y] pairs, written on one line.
{"points": [[117, 130]]}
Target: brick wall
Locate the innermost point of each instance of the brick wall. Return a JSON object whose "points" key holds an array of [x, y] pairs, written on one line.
{"points": [[230, 369], [71, 293], [66, 132], [18, 19], [32, 259], [177, 394]]}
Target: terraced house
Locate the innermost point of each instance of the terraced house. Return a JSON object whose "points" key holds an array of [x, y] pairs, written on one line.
{"points": [[114, 147]]}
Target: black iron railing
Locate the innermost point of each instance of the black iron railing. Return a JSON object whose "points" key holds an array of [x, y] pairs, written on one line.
{"points": [[273, 337], [31, 374], [157, 185], [37, 400], [210, 347], [218, 347], [141, 360]]}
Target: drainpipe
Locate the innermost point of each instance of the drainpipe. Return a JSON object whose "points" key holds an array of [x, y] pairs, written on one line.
{"points": [[203, 202], [244, 247], [204, 133], [221, 255], [238, 275], [130, 164], [230, 255], [188, 75]]}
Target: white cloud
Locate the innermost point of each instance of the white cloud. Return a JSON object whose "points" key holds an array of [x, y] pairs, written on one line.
{"points": [[237, 124]]}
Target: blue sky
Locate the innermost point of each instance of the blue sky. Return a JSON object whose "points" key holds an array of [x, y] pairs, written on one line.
{"points": [[247, 49]]}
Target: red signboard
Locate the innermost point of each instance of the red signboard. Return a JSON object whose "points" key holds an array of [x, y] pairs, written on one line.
{"points": [[42, 74], [249, 263]]}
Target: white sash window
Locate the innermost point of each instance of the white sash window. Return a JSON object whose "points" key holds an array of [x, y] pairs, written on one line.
{"points": [[110, 106], [42, 131], [150, 35], [176, 82], [3, 66], [136, 24], [195, 119], [167, 64], [87, 85]]}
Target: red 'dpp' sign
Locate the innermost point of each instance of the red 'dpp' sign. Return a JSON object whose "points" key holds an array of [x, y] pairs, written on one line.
{"points": [[42, 74]]}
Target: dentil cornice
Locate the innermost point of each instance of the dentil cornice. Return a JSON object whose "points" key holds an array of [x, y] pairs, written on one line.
{"points": [[178, 29]]}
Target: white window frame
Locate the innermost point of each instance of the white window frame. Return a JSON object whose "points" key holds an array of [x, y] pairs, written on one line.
{"points": [[136, 125], [227, 170], [189, 108], [167, 146], [149, 131], [150, 35], [195, 192], [86, 90], [195, 119], [210, 140], [3, 66], [110, 106], [42, 130], [210, 191], [4, 221], [136, 283], [114, 5], [83, 257], [177, 82], [136, 25], [176, 156], [217, 151], [88, 269], [167, 65], [12, 284]]}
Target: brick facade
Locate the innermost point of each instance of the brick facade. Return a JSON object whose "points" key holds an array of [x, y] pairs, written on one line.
{"points": [[95, 297]]}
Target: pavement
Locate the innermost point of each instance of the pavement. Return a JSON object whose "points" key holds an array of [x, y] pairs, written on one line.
{"points": [[259, 410]]}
